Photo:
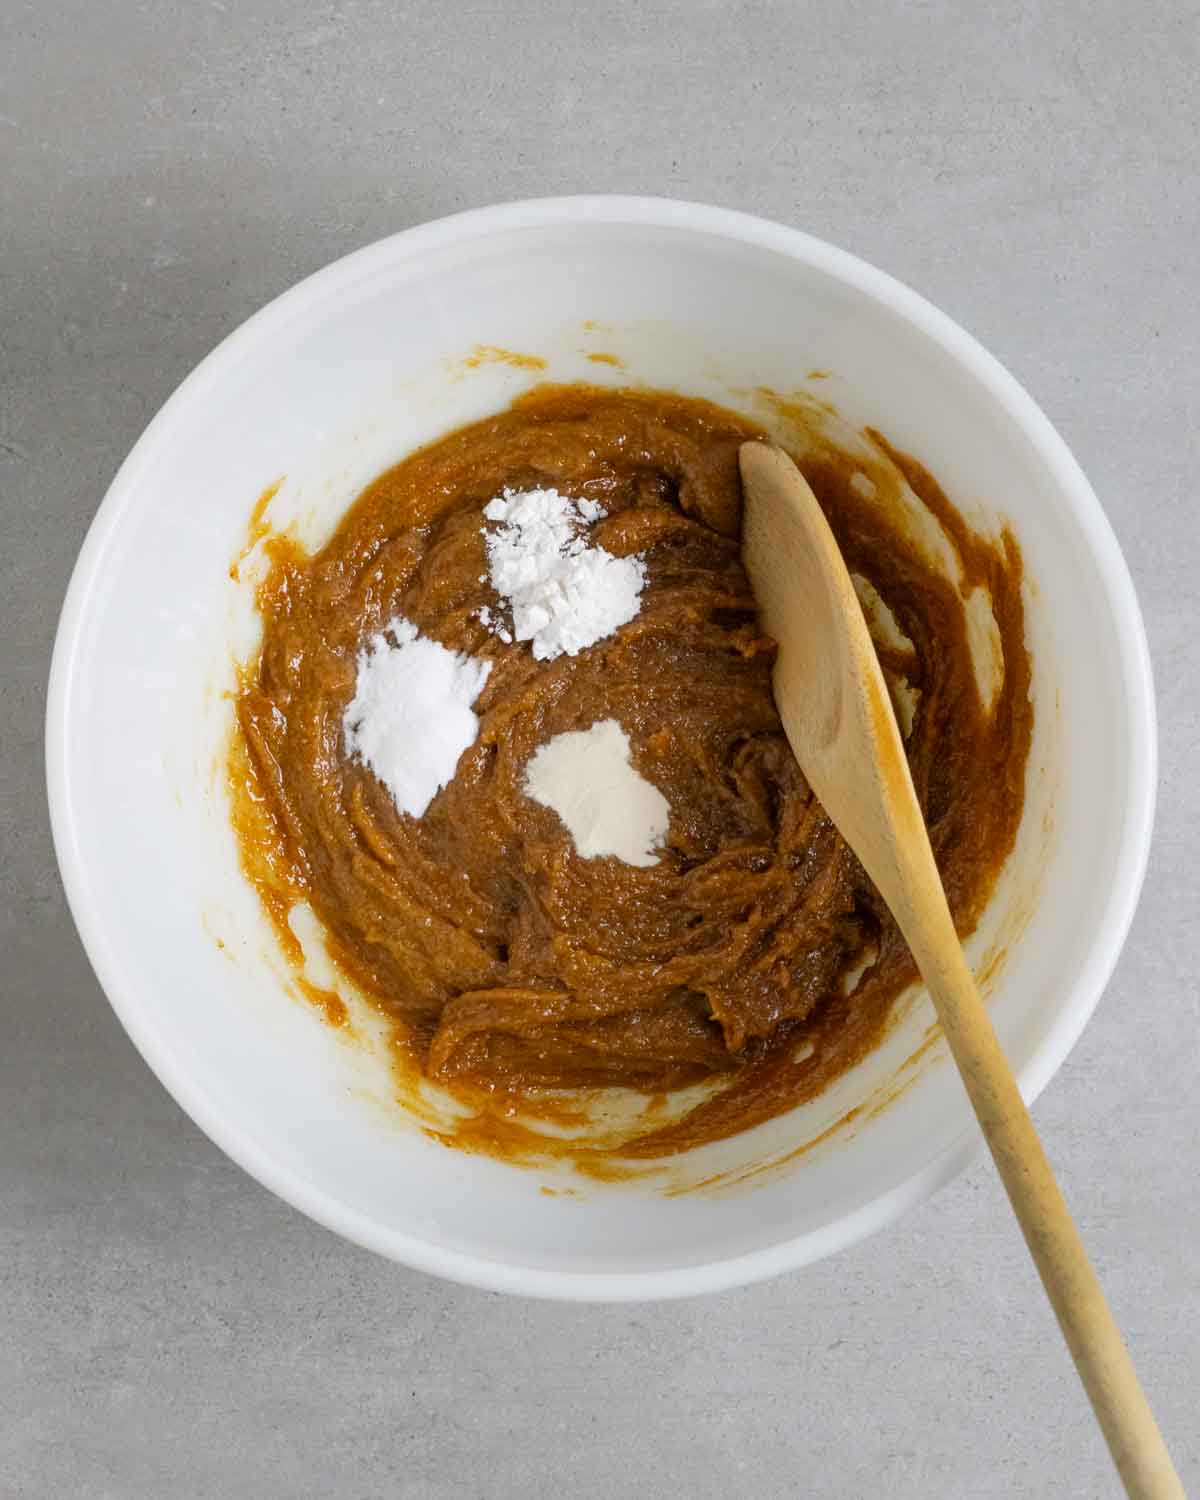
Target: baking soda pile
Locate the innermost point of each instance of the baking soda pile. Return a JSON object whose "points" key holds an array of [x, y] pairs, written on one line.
{"points": [[413, 711], [412, 714]]}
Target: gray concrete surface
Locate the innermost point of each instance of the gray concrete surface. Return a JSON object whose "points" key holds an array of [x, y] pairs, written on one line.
{"points": [[167, 1329]]}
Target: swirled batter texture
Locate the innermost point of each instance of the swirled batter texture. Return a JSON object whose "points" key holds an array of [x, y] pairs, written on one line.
{"points": [[506, 959]]}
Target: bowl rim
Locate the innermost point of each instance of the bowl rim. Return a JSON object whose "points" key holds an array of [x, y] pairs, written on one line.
{"points": [[731, 225]]}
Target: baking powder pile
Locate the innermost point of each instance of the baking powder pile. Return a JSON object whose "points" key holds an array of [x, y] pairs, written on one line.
{"points": [[412, 714], [563, 593], [588, 779]]}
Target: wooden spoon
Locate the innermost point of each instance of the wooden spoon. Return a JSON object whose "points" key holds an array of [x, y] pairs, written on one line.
{"points": [[839, 721]]}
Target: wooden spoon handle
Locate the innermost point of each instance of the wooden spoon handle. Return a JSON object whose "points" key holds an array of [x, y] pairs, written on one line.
{"points": [[1092, 1336]]}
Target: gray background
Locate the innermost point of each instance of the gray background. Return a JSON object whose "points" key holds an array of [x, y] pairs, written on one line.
{"points": [[167, 1329]]}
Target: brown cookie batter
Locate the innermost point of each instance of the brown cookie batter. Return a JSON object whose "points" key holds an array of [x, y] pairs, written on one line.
{"points": [[508, 962]]}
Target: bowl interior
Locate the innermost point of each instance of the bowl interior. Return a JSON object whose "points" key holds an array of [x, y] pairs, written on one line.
{"points": [[324, 389]]}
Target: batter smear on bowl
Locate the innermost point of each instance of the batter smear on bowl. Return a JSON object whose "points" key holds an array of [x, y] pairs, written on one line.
{"points": [[743, 945]]}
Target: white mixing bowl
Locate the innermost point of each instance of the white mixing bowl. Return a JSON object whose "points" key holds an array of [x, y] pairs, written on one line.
{"points": [[340, 377]]}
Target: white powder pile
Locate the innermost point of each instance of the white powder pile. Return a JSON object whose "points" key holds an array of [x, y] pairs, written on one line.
{"points": [[563, 593], [412, 712], [587, 778]]}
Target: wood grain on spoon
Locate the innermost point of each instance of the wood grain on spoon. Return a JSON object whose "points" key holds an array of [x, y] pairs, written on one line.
{"points": [[841, 726]]}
